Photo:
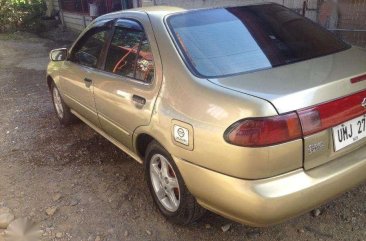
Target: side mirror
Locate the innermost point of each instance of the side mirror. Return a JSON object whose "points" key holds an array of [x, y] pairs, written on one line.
{"points": [[58, 54]]}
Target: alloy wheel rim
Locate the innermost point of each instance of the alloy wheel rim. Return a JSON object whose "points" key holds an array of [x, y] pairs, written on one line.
{"points": [[165, 182], [58, 103]]}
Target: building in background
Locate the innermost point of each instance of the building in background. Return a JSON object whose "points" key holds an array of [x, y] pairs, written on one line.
{"points": [[77, 14], [346, 18]]}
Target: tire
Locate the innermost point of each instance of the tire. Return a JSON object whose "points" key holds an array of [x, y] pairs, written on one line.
{"points": [[163, 188], [63, 112]]}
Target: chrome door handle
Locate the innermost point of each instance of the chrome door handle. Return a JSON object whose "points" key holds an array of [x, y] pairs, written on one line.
{"points": [[139, 100]]}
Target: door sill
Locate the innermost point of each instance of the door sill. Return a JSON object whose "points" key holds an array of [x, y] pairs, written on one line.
{"points": [[109, 138]]}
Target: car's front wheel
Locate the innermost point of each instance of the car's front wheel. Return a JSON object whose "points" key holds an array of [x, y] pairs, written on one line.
{"points": [[62, 110], [167, 187]]}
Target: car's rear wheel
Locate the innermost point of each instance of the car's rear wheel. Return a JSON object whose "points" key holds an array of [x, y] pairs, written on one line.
{"points": [[62, 110], [167, 187]]}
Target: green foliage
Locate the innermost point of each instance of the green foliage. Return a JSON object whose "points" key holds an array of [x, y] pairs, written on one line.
{"points": [[21, 14]]}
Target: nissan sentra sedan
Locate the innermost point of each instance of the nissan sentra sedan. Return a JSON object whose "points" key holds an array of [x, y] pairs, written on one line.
{"points": [[254, 112]]}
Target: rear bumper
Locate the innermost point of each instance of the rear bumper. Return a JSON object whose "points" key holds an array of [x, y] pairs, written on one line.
{"points": [[272, 200]]}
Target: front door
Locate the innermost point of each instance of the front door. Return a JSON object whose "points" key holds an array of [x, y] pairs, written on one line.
{"points": [[126, 90], [76, 83]]}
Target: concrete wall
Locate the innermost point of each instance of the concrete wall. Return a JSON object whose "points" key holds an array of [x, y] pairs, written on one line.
{"points": [[76, 21], [73, 21], [56, 5]]}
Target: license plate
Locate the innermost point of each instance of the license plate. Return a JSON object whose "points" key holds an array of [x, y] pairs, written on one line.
{"points": [[349, 132]]}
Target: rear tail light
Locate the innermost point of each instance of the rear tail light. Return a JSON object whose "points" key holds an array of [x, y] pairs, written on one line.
{"points": [[324, 116], [259, 132], [266, 131]]}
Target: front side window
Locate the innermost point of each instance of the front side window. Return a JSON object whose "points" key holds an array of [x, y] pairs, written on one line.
{"points": [[130, 55], [87, 51], [227, 41]]}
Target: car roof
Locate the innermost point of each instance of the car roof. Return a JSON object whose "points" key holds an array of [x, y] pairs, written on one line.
{"points": [[162, 10], [158, 11]]}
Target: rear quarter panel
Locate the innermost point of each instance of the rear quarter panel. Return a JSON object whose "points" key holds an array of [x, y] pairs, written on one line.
{"points": [[210, 110]]}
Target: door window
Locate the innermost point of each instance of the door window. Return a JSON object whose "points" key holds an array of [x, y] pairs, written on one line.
{"points": [[88, 49], [130, 55]]}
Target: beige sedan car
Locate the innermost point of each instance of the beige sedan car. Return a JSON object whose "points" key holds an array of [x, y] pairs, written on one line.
{"points": [[252, 112]]}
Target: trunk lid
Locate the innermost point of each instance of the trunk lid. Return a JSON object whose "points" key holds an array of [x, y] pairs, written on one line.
{"points": [[307, 84], [303, 84]]}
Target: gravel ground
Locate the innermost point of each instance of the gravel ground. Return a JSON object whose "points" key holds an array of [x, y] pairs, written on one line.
{"points": [[75, 185]]}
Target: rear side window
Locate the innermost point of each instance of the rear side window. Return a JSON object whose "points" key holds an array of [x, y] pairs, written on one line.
{"points": [[227, 41], [87, 51], [130, 55]]}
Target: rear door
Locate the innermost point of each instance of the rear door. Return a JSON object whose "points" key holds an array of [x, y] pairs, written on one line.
{"points": [[126, 89]]}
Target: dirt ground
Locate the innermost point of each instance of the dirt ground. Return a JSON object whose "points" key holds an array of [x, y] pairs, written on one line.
{"points": [[77, 186]]}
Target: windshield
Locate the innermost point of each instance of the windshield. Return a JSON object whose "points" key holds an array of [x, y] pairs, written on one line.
{"points": [[227, 41]]}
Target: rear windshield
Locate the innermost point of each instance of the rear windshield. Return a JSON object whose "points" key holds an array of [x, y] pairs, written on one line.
{"points": [[228, 41]]}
